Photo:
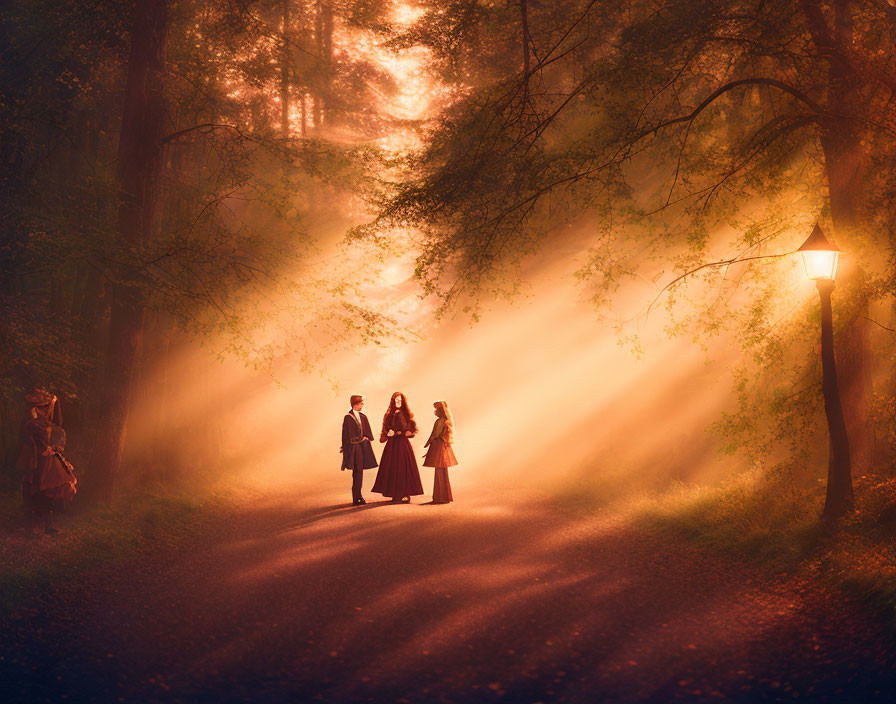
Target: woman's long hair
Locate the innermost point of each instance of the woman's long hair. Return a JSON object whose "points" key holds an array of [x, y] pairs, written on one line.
{"points": [[405, 411], [444, 412]]}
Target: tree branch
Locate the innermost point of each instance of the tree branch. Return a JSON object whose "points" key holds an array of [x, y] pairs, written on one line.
{"points": [[880, 325], [821, 32], [827, 41], [721, 90], [205, 128], [543, 62], [713, 265]]}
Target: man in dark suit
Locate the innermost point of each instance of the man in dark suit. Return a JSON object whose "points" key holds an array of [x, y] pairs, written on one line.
{"points": [[357, 452]]}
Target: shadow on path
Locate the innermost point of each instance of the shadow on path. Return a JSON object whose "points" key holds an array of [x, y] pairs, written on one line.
{"points": [[492, 601]]}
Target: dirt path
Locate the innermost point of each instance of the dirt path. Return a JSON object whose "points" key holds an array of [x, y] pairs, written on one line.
{"points": [[300, 598]]}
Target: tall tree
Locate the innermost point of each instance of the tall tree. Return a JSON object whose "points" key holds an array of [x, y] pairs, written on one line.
{"points": [[236, 215], [671, 121], [285, 62], [139, 162], [324, 35]]}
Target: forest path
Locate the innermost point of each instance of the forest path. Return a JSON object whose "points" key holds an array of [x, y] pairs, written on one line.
{"points": [[500, 598]]}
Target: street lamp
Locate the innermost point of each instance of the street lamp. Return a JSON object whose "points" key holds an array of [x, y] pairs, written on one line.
{"points": [[820, 257]]}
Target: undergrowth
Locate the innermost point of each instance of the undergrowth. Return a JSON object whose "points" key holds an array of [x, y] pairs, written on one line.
{"points": [[747, 515], [770, 524], [149, 519]]}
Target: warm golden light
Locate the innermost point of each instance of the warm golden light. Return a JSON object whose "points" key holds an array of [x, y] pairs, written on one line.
{"points": [[820, 256], [493, 376], [820, 264]]}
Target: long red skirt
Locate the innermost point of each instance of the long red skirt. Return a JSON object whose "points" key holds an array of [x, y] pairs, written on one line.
{"points": [[441, 488], [398, 475]]}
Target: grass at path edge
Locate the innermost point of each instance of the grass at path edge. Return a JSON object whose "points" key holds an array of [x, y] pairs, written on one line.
{"points": [[101, 537], [781, 531]]}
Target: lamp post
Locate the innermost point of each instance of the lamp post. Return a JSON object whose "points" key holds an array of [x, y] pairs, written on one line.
{"points": [[820, 257]]}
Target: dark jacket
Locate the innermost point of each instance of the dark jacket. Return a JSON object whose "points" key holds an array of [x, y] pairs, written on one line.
{"points": [[357, 452]]}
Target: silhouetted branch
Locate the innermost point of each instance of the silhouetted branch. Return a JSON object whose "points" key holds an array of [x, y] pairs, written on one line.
{"points": [[712, 265], [721, 90], [880, 325], [204, 128], [544, 60]]}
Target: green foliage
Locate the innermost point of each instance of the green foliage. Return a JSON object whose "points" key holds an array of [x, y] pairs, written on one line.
{"points": [[883, 415], [104, 539], [248, 207], [756, 515], [696, 140], [766, 519]]}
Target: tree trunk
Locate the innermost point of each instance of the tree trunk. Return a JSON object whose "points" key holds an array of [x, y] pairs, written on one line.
{"points": [[839, 495], [284, 74], [323, 111], [841, 140], [853, 348], [524, 25], [139, 163], [317, 102], [303, 108], [163, 400]]}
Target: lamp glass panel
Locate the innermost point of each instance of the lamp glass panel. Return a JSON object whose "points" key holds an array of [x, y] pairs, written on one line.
{"points": [[820, 264]]}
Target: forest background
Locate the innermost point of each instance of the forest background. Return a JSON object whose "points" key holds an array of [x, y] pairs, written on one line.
{"points": [[203, 197]]}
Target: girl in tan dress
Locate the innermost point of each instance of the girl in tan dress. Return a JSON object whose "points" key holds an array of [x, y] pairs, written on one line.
{"points": [[440, 454]]}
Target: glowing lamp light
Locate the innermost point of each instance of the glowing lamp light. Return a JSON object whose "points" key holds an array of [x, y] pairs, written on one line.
{"points": [[820, 256]]}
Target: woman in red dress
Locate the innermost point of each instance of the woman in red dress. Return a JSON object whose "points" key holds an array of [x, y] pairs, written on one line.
{"points": [[440, 454], [398, 476]]}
